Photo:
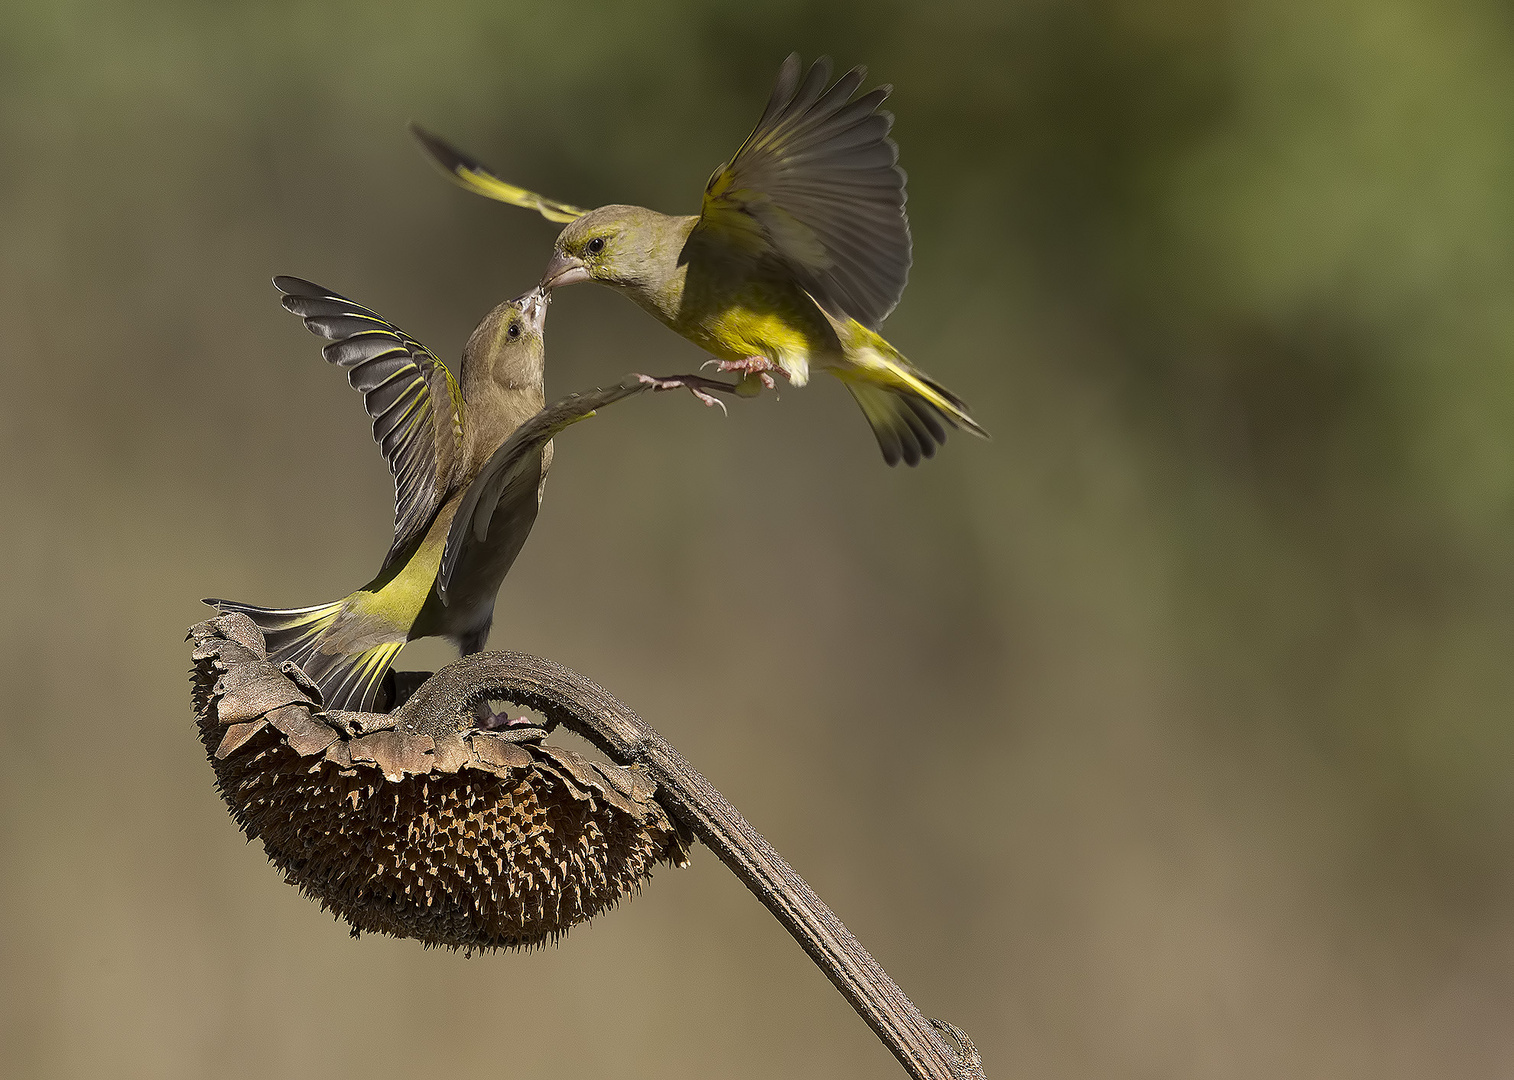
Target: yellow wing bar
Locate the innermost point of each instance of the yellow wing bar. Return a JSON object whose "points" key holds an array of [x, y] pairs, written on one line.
{"points": [[474, 175]]}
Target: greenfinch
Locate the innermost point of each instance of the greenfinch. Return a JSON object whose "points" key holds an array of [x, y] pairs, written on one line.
{"points": [[437, 431], [799, 252], [469, 454]]}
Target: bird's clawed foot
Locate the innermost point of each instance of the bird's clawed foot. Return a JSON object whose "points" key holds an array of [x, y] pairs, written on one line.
{"points": [[752, 366], [494, 715], [698, 386]]}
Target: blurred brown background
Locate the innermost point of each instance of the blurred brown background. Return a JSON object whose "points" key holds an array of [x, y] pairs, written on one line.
{"points": [[1167, 735]]}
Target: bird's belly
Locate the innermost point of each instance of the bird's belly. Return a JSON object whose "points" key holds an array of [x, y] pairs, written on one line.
{"points": [[479, 574], [741, 330]]}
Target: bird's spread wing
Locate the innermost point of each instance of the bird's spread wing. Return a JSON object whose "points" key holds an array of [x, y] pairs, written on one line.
{"points": [[415, 402], [818, 185], [514, 464], [479, 178]]}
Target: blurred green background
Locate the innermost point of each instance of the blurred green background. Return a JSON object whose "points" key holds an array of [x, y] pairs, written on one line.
{"points": [[1168, 734]]}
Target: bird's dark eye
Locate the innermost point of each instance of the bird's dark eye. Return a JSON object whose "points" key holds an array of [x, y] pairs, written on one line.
{"points": [[595, 246], [514, 330]]}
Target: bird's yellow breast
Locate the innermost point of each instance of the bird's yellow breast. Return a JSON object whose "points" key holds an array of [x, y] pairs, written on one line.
{"points": [[386, 608], [758, 318]]}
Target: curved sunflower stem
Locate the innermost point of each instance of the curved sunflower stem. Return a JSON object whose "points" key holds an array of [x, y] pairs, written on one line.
{"points": [[585, 708]]}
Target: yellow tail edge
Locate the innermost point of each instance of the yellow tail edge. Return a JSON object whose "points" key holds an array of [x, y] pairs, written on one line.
{"points": [[940, 398], [347, 680], [906, 409]]}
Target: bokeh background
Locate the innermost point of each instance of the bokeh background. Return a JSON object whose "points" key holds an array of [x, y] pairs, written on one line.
{"points": [[1168, 734]]}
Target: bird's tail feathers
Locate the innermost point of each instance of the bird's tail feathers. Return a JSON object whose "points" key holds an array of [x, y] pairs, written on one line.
{"points": [[904, 406], [352, 680], [347, 680], [288, 633], [907, 413], [941, 399], [907, 428]]}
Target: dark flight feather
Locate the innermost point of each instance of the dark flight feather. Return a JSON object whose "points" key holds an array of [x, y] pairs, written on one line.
{"points": [[908, 428], [410, 394], [819, 179]]}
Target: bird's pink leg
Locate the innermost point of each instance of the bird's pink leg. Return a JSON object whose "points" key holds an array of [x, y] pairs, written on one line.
{"points": [[759, 366]]}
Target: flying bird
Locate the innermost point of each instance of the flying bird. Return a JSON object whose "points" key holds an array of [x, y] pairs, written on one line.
{"points": [[799, 252], [469, 454]]}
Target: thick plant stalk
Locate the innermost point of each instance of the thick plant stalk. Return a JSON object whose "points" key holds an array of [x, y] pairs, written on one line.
{"points": [[568, 698], [405, 822]]}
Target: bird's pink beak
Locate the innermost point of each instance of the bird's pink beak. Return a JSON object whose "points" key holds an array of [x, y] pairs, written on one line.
{"points": [[564, 270]]}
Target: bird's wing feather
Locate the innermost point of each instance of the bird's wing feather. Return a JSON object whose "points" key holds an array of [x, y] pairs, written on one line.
{"points": [[817, 185], [478, 178], [415, 403], [513, 464]]}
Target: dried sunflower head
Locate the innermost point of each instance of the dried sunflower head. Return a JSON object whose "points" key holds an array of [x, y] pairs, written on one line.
{"points": [[468, 838]]}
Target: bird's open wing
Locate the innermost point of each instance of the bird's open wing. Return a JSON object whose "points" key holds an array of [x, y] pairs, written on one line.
{"points": [[479, 178], [515, 463], [818, 185], [415, 402]]}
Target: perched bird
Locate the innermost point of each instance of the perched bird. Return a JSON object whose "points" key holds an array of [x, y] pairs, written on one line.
{"points": [[799, 253], [437, 431], [469, 455]]}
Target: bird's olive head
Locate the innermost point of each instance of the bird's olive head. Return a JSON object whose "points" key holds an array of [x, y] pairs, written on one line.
{"points": [[614, 245], [507, 346], [520, 342]]}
